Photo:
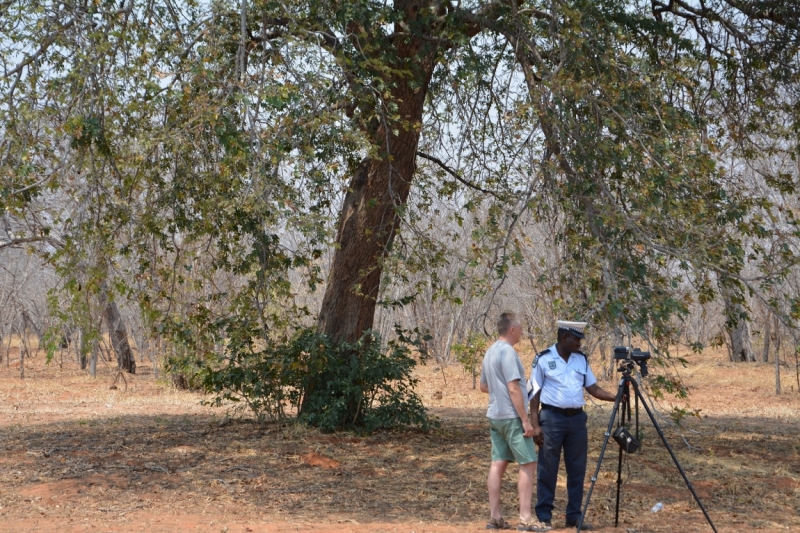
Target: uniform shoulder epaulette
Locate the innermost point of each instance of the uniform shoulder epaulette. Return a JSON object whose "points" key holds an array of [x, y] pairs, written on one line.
{"points": [[538, 355], [583, 354]]}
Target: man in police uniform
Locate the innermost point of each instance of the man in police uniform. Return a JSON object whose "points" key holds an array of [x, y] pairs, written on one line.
{"points": [[558, 378]]}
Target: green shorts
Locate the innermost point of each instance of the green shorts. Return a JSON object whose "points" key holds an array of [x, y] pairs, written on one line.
{"points": [[509, 442]]}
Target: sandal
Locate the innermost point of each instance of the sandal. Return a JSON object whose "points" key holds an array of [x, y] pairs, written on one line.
{"points": [[497, 523], [533, 525]]}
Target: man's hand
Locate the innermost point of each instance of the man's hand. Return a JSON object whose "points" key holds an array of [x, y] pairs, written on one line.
{"points": [[538, 436], [527, 427], [515, 393], [601, 394]]}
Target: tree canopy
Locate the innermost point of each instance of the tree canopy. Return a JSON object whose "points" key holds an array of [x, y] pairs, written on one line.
{"points": [[209, 158]]}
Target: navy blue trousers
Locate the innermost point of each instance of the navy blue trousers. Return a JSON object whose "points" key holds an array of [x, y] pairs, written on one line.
{"points": [[567, 433]]}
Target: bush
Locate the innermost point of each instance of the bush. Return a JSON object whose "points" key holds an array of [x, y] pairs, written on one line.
{"points": [[470, 353], [331, 386]]}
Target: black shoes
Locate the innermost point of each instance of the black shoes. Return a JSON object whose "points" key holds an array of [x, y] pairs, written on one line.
{"points": [[586, 526]]}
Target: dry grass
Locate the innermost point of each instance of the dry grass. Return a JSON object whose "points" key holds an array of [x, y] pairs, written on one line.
{"points": [[77, 456]]}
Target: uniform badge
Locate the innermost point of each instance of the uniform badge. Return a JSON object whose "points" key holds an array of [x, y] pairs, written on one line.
{"points": [[552, 365], [535, 361]]}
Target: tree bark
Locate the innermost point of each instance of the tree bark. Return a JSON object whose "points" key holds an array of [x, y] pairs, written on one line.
{"points": [[737, 327], [796, 365], [93, 358], [740, 342], [119, 337], [767, 335], [23, 348], [777, 374], [29, 325], [374, 200], [80, 352], [604, 363]]}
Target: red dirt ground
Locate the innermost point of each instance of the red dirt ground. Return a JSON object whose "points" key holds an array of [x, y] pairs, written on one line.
{"points": [[77, 456]]}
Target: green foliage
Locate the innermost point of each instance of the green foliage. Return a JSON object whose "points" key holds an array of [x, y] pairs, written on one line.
{"points": [[185, 366], [671, 385], [51, 342], [358, 386], [470, 352], [679, 414], [168, 155]]}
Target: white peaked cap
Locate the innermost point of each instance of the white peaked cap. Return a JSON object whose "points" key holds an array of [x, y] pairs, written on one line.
{"points": [[575, 328]]}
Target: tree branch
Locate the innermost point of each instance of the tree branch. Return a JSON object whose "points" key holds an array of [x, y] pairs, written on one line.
{"points": [[706, 13], [52, 241], [456, 176], [49, 40], [780, 12]]}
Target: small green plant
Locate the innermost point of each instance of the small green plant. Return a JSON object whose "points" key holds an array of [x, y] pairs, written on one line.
{"points": [[183, 367], [51, 342], [470, 353]]}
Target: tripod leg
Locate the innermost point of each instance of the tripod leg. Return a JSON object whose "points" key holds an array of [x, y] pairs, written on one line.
{"points": [[619, 487], [617, 400], [674, 459]]}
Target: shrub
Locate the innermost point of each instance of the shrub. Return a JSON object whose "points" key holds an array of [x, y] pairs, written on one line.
{"points": [[332, 386], [470, 353]]}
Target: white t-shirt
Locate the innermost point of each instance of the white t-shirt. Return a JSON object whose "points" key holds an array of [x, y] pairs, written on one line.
{"points": [[501, 364]]}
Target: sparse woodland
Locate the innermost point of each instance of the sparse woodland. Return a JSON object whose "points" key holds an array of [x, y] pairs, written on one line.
{"points": [[218, 218], [213, 189]]}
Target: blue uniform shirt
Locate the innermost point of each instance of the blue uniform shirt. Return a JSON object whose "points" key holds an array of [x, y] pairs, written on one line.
{"points": [[561, 382]]}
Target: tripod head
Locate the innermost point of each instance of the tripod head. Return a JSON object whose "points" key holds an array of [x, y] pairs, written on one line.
{"points": [[626, 367], [629, 356]]}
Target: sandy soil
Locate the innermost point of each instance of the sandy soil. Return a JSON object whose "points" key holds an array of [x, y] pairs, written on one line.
{"points": [[78, 456]]}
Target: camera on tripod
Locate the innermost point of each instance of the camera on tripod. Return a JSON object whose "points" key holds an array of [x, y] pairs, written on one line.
{"points": [[629, 441], [634, 355]]}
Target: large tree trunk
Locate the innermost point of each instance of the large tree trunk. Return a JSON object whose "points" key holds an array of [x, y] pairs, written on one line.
{"points": [[367, 226], [741, 347], [377, 193], [119, 337], [376, 196]]}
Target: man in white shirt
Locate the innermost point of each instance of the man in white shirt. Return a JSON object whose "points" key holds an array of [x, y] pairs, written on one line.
{"points": [[559, 376], [503, 377]]}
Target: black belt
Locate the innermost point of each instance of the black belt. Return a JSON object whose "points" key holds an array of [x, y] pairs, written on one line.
{"points": [[570, 411]]}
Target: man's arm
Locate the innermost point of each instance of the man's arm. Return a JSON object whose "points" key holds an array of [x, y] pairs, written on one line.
{"points": [[484, 387], [601, 394], [519, 404], [538, 435]]}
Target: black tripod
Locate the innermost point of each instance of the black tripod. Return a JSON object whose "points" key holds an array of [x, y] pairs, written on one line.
{"points": [[628, 442]]}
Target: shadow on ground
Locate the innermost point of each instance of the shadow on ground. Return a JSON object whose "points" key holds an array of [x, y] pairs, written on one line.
{"points": [[189, 461], [744, 471]]}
